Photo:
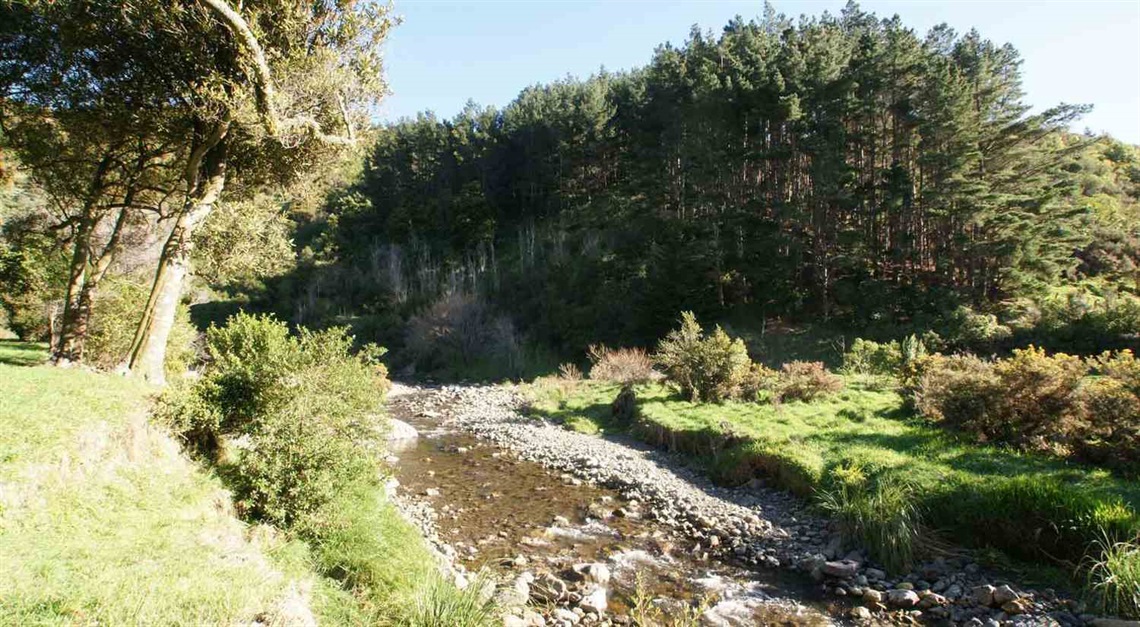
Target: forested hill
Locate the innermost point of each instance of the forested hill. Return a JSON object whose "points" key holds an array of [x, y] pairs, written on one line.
{"points": [[841, 167]]}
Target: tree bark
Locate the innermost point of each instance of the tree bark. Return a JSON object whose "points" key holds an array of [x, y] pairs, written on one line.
{"points": [[69, 347], [148, 350]]}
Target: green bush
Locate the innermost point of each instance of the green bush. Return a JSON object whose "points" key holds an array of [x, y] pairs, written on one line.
{"points": [[806, 381], [873, 358], [705, 368], [115, 314], [296, 410], [966, 328]]}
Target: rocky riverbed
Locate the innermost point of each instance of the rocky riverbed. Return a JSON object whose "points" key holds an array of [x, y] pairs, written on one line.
{"points": [[583, 529]]}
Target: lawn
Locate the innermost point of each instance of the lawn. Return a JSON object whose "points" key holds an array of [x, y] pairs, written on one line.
{"points": [[1024, 504]]}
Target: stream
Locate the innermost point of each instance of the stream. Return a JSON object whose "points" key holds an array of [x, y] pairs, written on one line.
{"points": [[490, 510]]}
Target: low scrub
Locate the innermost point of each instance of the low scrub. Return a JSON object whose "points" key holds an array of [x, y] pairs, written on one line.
{"points": [[460, 335], [1088, 409], [806, 381], [295, 415], [620, 365], [707, 368]]}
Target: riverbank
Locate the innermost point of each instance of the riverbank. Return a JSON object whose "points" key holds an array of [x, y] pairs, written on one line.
{"points": [[764, 529]]}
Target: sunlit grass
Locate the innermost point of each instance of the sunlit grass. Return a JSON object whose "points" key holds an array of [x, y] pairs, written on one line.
{"points": [[1026, 504], [103, 522]]}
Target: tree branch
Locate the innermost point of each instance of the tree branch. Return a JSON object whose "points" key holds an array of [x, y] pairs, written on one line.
{"points": [[263, 84]]}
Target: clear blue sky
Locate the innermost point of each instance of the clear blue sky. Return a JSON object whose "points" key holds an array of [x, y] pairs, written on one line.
{"points": [[449, 51]]}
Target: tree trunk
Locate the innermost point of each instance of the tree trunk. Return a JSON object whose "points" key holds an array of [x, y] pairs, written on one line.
{"points": [[148, 351], [69, 347], [81, 312]]}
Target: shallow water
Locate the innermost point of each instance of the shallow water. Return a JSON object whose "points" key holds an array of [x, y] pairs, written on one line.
{"points": [[493, 508]]}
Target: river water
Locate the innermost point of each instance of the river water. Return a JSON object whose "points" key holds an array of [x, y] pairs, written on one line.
{"points": [[513, 516]]}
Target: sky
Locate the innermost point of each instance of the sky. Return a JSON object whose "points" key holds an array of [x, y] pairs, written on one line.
{"points": [[447, 52]]}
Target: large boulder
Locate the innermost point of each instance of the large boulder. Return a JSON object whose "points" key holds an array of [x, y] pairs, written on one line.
{"points": [[400, 431]]}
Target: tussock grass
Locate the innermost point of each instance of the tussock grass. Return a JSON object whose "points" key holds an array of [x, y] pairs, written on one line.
{"points": [[441, 604], [881, 516], [1114, 578]]}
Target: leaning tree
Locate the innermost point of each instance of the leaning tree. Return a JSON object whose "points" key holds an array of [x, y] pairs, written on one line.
{"points": [[254, 93]]}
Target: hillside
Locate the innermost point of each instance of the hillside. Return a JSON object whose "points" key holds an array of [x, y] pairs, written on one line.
{"points": [[842, 169]]}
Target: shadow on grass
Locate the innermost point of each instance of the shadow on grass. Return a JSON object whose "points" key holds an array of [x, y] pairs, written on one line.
{"points": [[17, 353]]}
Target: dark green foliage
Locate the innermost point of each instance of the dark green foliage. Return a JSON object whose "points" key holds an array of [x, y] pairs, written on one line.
{"points": [[708, 368], [294, 416], [33, 277], [842, 167]]}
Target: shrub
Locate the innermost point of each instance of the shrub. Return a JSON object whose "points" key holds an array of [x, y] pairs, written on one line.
{"points": [[1025, 398], [806, 381], [960, 390], [620, 365], [705, 368], [1122, 366], [881, 515], [298, 411], [873, 358], [1039, 394], [760, 380], [461, 334], [569, 372], [1114, 578], [969, 329], [1110, 432], [115, 316]]}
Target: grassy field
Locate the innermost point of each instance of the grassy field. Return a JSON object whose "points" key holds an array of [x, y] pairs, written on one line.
{"points": [[1025, 505], [104, 521]]}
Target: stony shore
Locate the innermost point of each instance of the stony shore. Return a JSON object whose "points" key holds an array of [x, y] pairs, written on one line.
{"points": [[755, 526]]}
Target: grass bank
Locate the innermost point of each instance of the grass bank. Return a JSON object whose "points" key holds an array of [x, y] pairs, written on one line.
{"points": [[1027, 506], [103, 520]]}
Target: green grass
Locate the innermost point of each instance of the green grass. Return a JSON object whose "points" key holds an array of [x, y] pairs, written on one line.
{"points": [[1029, 506], [17, 353], [104, 521], [1115, 579]]}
